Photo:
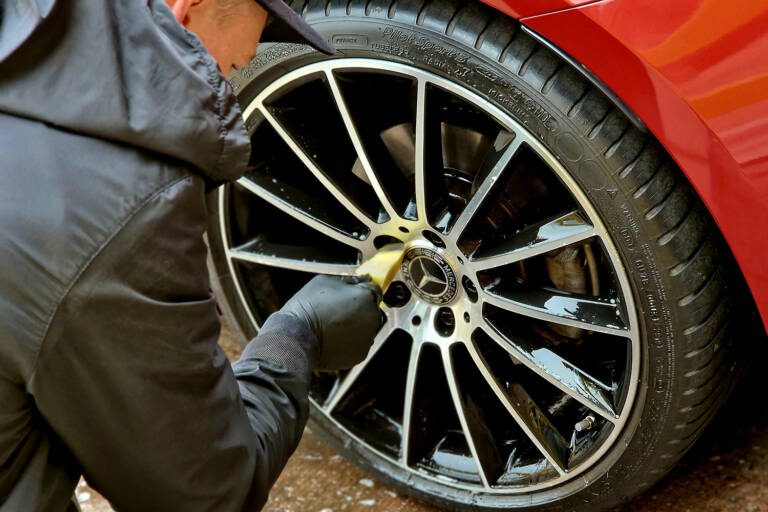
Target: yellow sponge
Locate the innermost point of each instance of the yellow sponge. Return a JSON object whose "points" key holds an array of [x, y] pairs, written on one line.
{"points": [[383, 266]]}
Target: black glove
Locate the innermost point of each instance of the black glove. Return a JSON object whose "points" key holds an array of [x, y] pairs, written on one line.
{"points": [[344, 315]]}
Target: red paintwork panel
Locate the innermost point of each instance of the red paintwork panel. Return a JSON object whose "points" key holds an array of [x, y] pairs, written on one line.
{"points": [[696, 73], [522, 8]]}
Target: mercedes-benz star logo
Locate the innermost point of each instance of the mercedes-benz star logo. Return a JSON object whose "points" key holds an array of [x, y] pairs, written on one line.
{"points": [[429, 275]]}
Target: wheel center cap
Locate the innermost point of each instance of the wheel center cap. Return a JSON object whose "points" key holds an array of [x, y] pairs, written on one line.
{"points": [[429, 275]]}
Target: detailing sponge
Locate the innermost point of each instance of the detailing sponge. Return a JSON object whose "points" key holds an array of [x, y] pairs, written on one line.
{"points": [[383, 266]]}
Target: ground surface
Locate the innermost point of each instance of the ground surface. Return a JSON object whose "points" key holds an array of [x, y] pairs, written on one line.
{"points": [[727, 471]]}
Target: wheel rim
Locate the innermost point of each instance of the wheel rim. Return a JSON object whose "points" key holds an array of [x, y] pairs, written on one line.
{"points": [[488, 403]]}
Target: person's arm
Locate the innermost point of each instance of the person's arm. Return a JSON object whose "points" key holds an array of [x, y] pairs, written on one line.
{"points": [[130, 376]]}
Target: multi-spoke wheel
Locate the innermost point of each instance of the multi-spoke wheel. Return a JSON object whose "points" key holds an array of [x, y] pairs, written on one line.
{"points": [[513, 368]]}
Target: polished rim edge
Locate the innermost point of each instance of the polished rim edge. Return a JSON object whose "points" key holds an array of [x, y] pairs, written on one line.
{"points": [[396, 317]]}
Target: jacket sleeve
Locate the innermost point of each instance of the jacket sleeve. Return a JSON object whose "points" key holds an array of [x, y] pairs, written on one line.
{"points": [[131, 378]]}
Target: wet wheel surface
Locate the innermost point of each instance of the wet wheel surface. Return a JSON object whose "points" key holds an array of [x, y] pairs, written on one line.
{"points": [[533, 354]]}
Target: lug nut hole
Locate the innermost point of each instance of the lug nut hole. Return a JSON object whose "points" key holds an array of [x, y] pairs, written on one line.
{"points": [[469, 288], [433, 238], [445, 323], [397, 295], [382, 240], [403, 229], [466, 317], [416, 320]]}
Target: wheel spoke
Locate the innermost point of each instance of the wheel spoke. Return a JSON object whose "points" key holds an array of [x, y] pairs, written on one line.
{"points": [[288, 257], [531, 419], [358, 145], [260, 186], [490, 179], [349, 380], [490, 463], [535, 240], [593, 314], [559, 372], [420, 174], [410, 388], [340, 196]]}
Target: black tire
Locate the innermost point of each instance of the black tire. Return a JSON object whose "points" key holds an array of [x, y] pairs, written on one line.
{"points": [[669, 246]]}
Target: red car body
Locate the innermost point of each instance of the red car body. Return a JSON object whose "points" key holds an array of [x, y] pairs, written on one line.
{"points": [[695, 72]]}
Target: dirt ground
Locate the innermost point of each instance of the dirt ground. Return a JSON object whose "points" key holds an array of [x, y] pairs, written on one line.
{"points": [[727, 471]]}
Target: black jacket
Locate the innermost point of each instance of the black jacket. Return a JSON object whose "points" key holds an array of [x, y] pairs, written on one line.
{"points": [[113, 121]]}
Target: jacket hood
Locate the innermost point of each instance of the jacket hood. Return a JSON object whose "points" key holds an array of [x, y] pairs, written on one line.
{"points": [[124, 71]]}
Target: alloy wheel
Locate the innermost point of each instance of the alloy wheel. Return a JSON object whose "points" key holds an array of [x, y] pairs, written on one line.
{"points": [[510, 354]]}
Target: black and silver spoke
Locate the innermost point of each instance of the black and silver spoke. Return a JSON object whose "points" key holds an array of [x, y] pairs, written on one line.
{"points": [[510, 355]]}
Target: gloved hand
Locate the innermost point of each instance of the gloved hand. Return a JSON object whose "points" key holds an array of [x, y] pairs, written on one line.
{"points": [[344, 315]]}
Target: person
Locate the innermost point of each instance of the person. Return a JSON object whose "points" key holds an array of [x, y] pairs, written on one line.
{"points": [[114, 122]]}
